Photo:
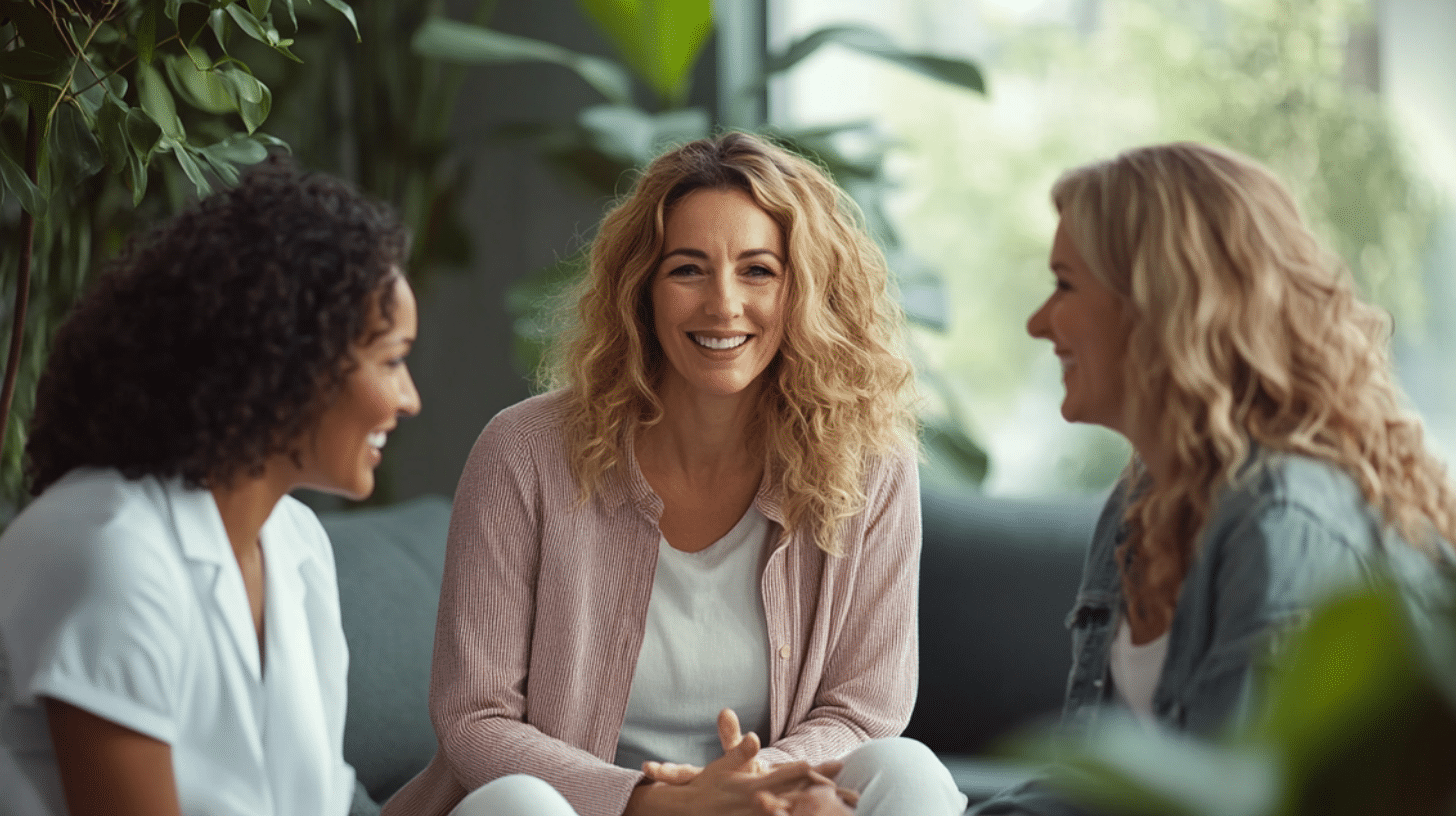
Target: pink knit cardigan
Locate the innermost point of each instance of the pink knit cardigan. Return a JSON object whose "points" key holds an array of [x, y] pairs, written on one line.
{"points": [[544, 603]]}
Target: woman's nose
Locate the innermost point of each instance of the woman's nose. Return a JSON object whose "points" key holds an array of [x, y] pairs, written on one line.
{"points": [[724, 298], [1038, 325], [409, 396]]}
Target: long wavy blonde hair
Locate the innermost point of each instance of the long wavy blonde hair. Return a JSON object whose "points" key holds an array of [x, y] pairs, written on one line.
{"points": [[1244, 329], [839, 392]]}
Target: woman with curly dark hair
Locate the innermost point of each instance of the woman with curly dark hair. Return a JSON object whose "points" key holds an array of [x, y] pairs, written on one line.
{"points": [[169, 619]]}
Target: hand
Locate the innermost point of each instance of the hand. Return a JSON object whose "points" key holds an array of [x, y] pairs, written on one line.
{"points": [[816, 800], [730, 734], [728, 786]]}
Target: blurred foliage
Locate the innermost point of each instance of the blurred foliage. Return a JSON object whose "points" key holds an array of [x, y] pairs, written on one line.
{"points": [[1286, 81], [371, 110], [1358, 717], [659, 42], [136, 106]]}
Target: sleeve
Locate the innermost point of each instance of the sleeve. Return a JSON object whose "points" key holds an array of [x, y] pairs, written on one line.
{"points": [[99, 625], [478, 694], [1268, 567], [870, 669]]}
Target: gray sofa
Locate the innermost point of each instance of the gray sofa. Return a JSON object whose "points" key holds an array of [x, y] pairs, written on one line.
{"points": [[997, 577]]}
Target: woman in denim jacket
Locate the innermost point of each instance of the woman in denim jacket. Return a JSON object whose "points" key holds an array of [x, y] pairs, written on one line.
{"points": [[1196, 314]]}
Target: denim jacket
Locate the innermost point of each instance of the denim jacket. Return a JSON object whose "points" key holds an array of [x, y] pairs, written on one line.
{"points": [[1288, 530]]}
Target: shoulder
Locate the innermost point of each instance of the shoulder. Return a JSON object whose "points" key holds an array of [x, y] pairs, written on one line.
{"points": [[1296, 520], [898, 469], [92, 518], [533, 424], [1296, 488], [524, 443], [543, 414]]}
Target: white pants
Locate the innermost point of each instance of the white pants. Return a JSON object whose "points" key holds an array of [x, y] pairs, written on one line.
{"points": [[894, 777]]}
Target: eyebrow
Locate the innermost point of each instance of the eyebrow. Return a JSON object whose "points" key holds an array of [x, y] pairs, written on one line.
{"points": [[701, 255]]}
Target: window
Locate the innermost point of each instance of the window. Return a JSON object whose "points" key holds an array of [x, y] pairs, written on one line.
{"points": [[1308, 88]]}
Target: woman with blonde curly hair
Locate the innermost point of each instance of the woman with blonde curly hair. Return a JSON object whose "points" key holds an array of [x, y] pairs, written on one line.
{"points": [[1196, 314], [713, 519]]}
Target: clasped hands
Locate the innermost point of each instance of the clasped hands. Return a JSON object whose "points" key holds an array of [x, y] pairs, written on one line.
{"points": [[740, 783]]}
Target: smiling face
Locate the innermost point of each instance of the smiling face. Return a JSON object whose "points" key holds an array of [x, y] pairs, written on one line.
{"points": [[717, 294], [1088, 325], [340, 455]]}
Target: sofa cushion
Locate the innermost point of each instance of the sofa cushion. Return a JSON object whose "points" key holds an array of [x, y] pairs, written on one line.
{"points": [[389, 564], [997, 577]]}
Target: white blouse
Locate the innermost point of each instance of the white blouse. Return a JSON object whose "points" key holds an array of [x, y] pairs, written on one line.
{"points": [[123, 598]]}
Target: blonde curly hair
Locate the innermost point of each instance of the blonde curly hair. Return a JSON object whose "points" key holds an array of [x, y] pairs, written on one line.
{"points": [[838, 394], [1245, 329]]}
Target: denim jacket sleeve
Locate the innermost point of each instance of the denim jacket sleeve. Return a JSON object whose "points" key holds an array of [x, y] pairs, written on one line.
{"points": [[1261, 568], [1287, 531]]}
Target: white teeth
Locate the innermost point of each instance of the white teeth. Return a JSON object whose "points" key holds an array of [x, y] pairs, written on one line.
{"points": [[376, 439], [719, 343]]}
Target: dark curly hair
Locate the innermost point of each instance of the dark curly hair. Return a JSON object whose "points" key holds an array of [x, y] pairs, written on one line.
{"points": [[213, 341]]}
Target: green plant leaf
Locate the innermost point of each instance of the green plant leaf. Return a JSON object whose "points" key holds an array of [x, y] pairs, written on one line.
{"points": [[238, 149], [31, 65], [76, 149], [111, 126], [35, 26], [172, 8], [659, 39], [156, 100], [41, 98], [143, 134], [251, 97], [146, 32], [136, 177], [199, 84], [17, 184], [189, 164], [91, 97], [259, 8], [261, 30], [348, 12], [442, 39], [875, 43], [1124, 767]]}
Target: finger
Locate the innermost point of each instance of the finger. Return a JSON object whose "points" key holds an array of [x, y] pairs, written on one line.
{"points": [[770, 804], [672, 773], [788, 776], [829, 769], [847, 796], [729, 731]]}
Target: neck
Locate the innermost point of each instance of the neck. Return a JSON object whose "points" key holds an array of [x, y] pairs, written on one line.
{"points": [[702, 435], [244, 505]]}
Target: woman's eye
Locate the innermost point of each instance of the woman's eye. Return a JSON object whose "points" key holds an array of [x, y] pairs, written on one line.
{"points": [[683, 270], [760, 271]]}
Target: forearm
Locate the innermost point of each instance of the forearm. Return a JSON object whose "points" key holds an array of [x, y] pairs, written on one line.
{"points": [[107, 769]]}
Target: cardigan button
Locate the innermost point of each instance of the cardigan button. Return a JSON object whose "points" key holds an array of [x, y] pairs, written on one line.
{"points": [[784, 651]]}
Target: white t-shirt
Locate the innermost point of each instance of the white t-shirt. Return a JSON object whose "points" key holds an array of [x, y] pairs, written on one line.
{"points": [[1136, 669], [705, 649], [124, 598]]}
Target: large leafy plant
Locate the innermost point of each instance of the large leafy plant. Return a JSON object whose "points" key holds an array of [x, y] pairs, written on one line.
{"points": [[645, 104], [100, 99]]}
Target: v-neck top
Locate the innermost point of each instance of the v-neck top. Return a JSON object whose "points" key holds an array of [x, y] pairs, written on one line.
{"points": [[123, 598], [705, 648]]}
